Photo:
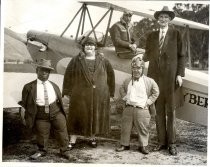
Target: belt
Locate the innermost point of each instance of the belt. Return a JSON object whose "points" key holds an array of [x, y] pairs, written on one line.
{"points": [[134, 106], [54, 103]]}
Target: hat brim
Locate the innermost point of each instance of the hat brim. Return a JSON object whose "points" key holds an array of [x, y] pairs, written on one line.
{"points": [[170, 13], [50, 68]]}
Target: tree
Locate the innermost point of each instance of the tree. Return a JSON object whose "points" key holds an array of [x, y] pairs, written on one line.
{"points": [[199, 40]]}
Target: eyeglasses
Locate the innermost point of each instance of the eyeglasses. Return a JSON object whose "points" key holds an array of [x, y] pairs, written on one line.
{"points": [[89, 44]]}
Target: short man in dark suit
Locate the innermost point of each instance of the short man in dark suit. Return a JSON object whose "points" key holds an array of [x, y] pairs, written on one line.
{"points": [[42, 108], [165, 53]]}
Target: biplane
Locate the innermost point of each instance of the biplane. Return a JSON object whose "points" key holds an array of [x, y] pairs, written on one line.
{"points": [[60, 49]]}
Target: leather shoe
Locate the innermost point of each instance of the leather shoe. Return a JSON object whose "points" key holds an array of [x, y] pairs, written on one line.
{"points": [[71, 146], [122, 148], [36, 155], [68, 156], [93, 143], [144, 150], [172, 150], [160, 147]]}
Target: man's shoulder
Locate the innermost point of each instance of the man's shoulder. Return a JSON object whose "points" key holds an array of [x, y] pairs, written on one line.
{"points": [[117, 24], [53, 83], [148, 79], [30, 83]]}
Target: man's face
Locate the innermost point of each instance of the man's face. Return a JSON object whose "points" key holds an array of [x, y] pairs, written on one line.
{"points": [[163, 20], [127, 18], [137, 71], [43, 73]]}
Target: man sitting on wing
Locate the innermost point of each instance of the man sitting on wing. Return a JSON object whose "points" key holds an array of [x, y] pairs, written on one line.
{"points": [[122, 37]]}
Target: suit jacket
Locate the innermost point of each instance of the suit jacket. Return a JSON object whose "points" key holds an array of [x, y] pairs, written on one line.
{"points": [[29, 101], [151, 89], [166, 66]]}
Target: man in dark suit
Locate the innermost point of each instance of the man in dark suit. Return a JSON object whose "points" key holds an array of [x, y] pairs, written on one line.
{"points": [[165, 53], [42, 108]]}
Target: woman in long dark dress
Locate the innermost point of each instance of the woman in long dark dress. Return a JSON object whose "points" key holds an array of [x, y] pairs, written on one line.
{"points": [[89, 81]]}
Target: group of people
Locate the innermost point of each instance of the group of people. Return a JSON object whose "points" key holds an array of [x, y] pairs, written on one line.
{"points": [[89, 83]]}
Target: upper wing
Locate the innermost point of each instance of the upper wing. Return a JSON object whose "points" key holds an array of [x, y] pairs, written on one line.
{"points": [[148, 14]]}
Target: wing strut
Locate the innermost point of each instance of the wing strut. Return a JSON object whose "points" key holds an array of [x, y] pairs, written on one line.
{"points": [[97, 24], [80, 20], [107, 29], [71, 21], [188, 46]]}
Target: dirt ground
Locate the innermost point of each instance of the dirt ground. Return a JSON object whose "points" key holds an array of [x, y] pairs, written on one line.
{"points": [[18, 145]]}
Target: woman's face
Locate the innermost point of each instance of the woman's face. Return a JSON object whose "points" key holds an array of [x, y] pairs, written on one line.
{"points": [[89, 48]]}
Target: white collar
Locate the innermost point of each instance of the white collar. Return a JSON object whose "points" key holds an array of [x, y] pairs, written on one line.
{"points": [[165, 29], [40, 82]]}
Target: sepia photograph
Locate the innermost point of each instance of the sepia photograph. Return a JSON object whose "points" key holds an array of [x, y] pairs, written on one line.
{"points": [[105, 82]]}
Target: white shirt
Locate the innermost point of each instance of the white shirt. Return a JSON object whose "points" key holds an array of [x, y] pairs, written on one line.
{"points": [[40, 93], [136, 93], [164, 31]]}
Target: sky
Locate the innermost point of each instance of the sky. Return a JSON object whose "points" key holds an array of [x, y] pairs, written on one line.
{"points": [[54, 15]]}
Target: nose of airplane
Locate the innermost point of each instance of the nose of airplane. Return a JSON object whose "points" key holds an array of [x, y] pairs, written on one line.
{"points": [[62, 65]]}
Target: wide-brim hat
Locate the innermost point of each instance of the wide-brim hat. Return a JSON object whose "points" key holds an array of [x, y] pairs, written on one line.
{"points": [[43, 63], [164, 10]]}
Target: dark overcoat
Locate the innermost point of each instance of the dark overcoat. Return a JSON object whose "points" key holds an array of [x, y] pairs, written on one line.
{"points": [[164, 67], [29, 94], [89, 109]]}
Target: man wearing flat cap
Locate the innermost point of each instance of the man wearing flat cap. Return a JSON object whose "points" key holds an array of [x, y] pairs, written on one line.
{"points": [[139, 93], [122, 37], [165, 53], [42, 108]]}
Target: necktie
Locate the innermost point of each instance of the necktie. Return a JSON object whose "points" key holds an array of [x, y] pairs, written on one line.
{"points": [[161, 41], [46, 100]]}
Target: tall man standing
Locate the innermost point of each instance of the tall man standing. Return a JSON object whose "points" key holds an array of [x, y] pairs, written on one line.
{"points": [[165, 53]]}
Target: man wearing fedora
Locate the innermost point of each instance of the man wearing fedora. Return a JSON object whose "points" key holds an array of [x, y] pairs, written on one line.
{"points": [[42, 108], [165, 53], [122, 37]]}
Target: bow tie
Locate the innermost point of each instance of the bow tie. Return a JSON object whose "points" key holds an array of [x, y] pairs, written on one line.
{"points": [[136, 79]]}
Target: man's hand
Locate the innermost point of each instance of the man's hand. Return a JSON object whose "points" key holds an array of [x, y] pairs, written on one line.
{"points": [[66, 101], [113, 99], [133, 47], [22, 115], [179, 80]]}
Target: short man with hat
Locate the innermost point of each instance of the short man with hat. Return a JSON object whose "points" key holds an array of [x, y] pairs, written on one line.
{"points": [[166, 54], [122, 37], [139, 93], [42, 108]]}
